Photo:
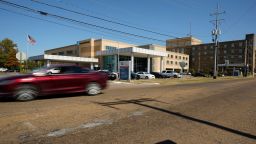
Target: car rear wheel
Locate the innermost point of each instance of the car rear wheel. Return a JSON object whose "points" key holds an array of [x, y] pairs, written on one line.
{"points": [[26, 93], [93, 89], [146, 77]]}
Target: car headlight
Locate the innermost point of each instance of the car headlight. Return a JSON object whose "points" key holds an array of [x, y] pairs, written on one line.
{"points": [[6, 82]]}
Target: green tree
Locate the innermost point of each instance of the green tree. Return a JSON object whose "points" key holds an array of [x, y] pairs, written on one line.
{"points": [[11, 61], [8, 54]]}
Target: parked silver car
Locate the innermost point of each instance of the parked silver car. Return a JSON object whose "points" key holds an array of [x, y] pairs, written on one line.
{"points": [[171, 73], [145, 75]]}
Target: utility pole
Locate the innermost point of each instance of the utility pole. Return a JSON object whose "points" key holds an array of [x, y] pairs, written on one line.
{"points": [[215, 36]]}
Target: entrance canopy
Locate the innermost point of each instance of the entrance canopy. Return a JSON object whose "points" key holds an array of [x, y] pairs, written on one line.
{"points": [[137, 52], [64, 58]]}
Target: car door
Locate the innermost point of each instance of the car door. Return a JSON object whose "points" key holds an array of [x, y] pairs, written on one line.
{"points": [[68, 80], [71, 78]]}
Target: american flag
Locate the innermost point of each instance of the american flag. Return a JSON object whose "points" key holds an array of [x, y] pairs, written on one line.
{"points": [[31, 40]]}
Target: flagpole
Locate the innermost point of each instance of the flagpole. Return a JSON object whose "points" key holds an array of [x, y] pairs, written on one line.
{"points": [[27, 55]]}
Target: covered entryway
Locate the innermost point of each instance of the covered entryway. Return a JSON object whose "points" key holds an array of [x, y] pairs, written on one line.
{"points": [[52, 59], [140, 58]]}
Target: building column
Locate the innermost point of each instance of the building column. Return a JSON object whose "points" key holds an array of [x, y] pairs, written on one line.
{"points": [[48, 63], [132, 62], [161, 64], [92, 66], [148, 66]]}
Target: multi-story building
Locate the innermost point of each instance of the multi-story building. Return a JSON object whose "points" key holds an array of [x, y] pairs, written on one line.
{"points": [[106, 54], [231, 55]]}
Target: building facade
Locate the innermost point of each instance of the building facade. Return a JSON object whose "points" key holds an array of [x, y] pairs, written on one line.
{"points": [[231, 55], [151, 58]]}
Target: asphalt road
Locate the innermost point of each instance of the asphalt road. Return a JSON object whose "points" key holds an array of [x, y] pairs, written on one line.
{"points": [[214, 113]]}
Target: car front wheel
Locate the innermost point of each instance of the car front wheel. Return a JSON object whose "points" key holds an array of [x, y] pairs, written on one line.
{"points": [[25, 93], [93, 89]]}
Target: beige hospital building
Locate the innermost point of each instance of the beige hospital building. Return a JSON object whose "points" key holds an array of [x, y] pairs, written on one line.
{"points": [[106, 54]]}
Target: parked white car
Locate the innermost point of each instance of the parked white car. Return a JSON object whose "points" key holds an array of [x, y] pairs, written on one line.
{"points": [[145, 75], [3, 69], [171, 73]]}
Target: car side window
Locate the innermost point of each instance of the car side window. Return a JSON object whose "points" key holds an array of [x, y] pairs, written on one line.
{"points": [[73, 69], [66, 70]]}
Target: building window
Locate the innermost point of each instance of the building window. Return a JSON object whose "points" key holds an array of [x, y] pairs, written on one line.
{"points": [[240, 44], [225, 46], [193, 48], [171, 62], [232, 51], [70, 52], [168, 55], [176, 57], [182, 50], [183, 58], [205, 47], [171, 56], [205, 53], [54, 53], [179, 57], [211, 57], [232, 45], [60, 53], [240, 56], [176, 63], [110, 48], [231, 56], [193, 59], [225, 51], [240, 51], [186, 58]]}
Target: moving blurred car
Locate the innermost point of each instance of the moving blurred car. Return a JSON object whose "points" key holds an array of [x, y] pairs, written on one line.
{"points": [[171, 73], [111, 75], [70, 79], [145, 75], [159, 75]]}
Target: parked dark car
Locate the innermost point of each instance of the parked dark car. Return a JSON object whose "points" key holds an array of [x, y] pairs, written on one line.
{"points": [[70, 79], [159, 75], [111, 75], [199, 74], [134, 76]]}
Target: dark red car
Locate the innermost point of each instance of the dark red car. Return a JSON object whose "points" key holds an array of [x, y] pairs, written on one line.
{"points": [[53, 80]]}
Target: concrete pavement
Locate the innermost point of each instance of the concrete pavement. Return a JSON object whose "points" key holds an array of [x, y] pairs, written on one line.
{"points": [[221, 112]]}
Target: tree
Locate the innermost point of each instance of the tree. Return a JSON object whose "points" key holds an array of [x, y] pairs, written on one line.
{"points": [[8, 54], [11, 61]]}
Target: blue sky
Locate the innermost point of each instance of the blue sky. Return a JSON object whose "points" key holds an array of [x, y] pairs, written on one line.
{"points": [[172, 17]]}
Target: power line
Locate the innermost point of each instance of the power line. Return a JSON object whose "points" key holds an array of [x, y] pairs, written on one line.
{"points": [[75, 21], [102, 19], [77, 28]]}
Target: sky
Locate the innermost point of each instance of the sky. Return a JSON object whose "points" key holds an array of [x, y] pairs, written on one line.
{"points": [[175, 18]]}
